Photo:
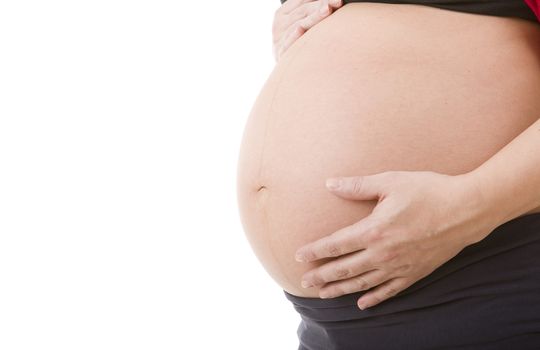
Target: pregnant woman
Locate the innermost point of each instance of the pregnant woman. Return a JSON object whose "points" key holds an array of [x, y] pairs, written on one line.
{"points": [[429, 113]]}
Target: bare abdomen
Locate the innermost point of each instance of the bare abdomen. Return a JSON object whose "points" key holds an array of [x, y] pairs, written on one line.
{"points": [[377, 87]]}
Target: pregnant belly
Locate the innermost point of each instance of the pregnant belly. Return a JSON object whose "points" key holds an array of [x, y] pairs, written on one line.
{"points": [[376, 87]]}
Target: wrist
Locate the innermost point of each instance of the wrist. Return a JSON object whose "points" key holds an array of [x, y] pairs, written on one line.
{"points": [[481, 211]]}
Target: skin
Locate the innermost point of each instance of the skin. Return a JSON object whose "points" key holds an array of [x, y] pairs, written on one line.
{"points": [[404, 239], [421, 219], [294, 18]]}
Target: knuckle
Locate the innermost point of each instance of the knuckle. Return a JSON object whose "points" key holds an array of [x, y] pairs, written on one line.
{"points": [[311, 20], [331, 249], [342, 271], [361, 283], [357, 186], [317, 279], [310, 255], [390, 292], [387, 256], [323, 11], [302, 24], [374, 234], [404, 269]]}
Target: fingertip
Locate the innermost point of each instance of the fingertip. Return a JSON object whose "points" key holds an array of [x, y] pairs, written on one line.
{"points": [[336, 3], [324, 10], [333, 183], [362, 304]]}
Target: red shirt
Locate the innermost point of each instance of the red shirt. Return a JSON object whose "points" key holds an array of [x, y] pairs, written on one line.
{"points": [[535, 6]]}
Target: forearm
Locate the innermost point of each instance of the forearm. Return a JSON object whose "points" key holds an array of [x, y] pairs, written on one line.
{"points": [[509, 182]]}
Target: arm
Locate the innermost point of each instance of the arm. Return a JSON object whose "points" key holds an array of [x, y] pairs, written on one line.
{"points": [[509, 182], [422, 219]]}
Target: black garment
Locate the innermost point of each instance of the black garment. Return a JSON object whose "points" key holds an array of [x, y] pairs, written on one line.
{"points": [[487, 297], [505, 8]]}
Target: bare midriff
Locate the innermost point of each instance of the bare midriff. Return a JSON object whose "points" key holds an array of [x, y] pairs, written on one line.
{"points": [[371, 88]]}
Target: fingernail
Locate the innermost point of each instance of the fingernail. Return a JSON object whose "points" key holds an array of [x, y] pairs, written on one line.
{"points": [[306, 284], [362, 305], [299, 257], [324, 294], [333, 184]]}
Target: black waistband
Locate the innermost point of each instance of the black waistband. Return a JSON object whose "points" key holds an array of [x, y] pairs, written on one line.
{"points": [[510, 251], [502, 8]]}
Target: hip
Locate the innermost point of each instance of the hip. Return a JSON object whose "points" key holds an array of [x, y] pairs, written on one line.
{"points": [[486, 297]]}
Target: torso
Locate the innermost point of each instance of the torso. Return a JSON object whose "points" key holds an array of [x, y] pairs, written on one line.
{"points": [[377, 87]]}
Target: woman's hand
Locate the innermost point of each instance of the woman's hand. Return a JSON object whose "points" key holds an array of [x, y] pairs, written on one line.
{"points": [[295, 17], [421, 220]]}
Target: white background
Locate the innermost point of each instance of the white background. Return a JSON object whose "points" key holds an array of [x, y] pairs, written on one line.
{"points": [[120, 126]]}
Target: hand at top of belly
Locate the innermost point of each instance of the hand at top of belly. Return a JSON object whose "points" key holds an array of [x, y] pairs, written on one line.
{"points": [[422, 219], [295, 17]]}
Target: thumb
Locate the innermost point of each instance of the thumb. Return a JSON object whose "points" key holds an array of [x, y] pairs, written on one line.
{"points": [[356, 187]]}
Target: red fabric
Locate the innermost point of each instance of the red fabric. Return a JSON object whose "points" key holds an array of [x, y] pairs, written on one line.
{"points": [[535, 6]]}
